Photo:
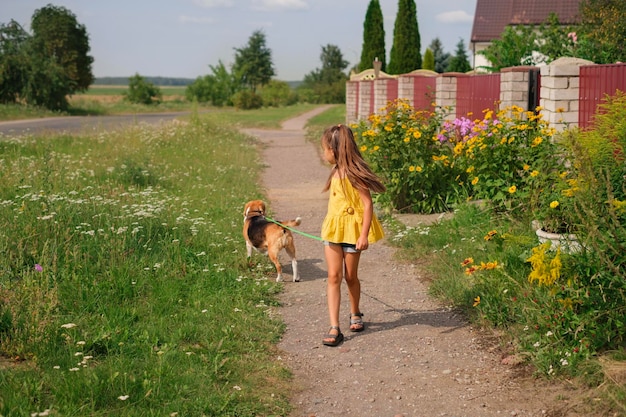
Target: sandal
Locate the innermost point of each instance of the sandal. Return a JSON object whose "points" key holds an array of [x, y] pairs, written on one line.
{"points": [[356, 322], [337, 338]]}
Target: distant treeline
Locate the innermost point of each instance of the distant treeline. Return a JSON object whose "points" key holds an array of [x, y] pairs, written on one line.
{"points": [[162, 81]]}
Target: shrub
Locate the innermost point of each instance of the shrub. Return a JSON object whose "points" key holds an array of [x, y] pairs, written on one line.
{"points": [[141, 91], [247, 100], [277, 93], [418, 170]]}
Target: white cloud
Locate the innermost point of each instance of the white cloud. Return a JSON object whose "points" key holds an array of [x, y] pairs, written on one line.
{"points": [[195, 19], [273, 5], [211, 4], [455, 16]]}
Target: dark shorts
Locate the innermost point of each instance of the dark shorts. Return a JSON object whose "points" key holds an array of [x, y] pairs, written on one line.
{"points": [[347, 247]]}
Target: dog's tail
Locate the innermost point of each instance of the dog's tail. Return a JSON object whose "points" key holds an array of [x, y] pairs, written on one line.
{"points": [[291, 223]]}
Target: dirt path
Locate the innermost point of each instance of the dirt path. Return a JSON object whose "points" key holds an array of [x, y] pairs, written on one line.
{"points": [[416, 357]]}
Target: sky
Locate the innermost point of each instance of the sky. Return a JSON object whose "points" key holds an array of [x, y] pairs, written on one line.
{"points": [[184, 38]]}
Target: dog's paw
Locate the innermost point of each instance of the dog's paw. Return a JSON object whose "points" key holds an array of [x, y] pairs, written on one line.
{"points": [[296, 279], [279, 278]]}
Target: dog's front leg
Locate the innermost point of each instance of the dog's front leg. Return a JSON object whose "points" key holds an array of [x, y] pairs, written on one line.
{"points": [[248, 250]]}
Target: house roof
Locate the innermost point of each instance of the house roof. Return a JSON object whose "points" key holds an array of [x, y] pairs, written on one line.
{"points": [[492, 16]]}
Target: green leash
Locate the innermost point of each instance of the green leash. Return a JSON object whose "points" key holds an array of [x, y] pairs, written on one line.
{"points": [[294, 230]]}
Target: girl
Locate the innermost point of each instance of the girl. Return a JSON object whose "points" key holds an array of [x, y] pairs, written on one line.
{"points": [[350, 224]]}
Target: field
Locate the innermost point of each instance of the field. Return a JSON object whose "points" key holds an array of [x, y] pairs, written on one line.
{"points": [[124, 287]]}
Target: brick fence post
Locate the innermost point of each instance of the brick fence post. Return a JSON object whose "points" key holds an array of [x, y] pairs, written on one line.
{"points": [[445, 96], [514, 87], [560, 82]]}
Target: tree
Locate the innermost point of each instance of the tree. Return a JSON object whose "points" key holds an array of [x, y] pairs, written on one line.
{"points": [[514, 46], [556, 39], [429, 60], [217, 88], [327, 84], [142, 92], [373, 37], [442, 59], [58, 36], [405, 53], [602, 31], [253, 65], [459, 62], [13, 61]]}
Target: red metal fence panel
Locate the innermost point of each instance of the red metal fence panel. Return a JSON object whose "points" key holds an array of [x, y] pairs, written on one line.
{"points": [[475, 93], [596, 82], [424, 91]]}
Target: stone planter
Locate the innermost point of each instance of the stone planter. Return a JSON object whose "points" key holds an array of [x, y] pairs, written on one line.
{"points": [[568, 243]]}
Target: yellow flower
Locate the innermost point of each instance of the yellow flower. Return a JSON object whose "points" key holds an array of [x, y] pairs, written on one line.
{"points": [[534, 173], [490, 235], [363, 148], [537, 141], [489, 265], [470, 169], [569, 192], [512, 189], [554, 204], [475, 181], [411, 168], [418, 169], [526, 167], [376, 148], [476, 301], [407, 139], [618, 205]]}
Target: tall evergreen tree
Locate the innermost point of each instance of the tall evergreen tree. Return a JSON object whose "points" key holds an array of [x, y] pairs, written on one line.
{"points": [[429, 60], [442, 58], [405, 53], [373, 38], [459, 62], [253, 66]]}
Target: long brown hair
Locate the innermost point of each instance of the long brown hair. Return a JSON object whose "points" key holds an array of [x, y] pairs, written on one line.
{"points": [[349, 162]]}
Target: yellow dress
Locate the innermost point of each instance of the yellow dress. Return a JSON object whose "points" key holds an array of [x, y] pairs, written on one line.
{"points": [[344, 218]]}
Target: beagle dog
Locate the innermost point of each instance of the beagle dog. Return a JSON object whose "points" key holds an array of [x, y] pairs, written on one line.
{"points": [[269, 237]]}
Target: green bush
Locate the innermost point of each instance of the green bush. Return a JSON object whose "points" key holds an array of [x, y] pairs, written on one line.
{"points": [[401, 147], [141, 91], [277, 93], [247, 100]]}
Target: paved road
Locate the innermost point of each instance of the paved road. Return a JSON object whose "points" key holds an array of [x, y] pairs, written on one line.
{"points": [[78, 124]]}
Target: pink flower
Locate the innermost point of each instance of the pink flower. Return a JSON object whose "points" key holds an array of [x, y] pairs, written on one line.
{"points": [[38, 268], [572, 36]]}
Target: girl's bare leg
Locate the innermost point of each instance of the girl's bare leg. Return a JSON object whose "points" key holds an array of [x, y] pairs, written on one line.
{"points": [[352, 279], [334, 261]]}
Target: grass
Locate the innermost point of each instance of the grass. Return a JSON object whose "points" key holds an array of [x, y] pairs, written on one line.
{"points": [[124, 288]]}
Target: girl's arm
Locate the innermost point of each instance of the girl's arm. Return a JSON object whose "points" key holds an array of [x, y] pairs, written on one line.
{"points": [[368, 211]]}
